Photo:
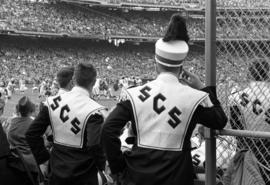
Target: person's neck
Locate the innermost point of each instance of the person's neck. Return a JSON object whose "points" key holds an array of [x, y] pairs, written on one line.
{"points": [[167, 72], [83, 88], [65, 89]]}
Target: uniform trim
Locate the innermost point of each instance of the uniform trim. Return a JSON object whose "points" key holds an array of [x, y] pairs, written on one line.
{"points": [[62, 144], [135, 114], [52, 126], [85, 122], [167, 64], [49, 110], [190, 116], [168, 61], [83, 128], [184, 134]]}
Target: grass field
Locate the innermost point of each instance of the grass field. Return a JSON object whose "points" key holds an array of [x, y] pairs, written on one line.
{"points": [[11, 103]]}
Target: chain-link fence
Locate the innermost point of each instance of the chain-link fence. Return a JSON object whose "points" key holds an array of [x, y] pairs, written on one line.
{"points": [[243, 85]]}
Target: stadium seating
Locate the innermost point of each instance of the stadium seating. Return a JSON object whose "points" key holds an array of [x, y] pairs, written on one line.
{"points": [[31, 60], [72, 20], [189, 3], [40, 63]]}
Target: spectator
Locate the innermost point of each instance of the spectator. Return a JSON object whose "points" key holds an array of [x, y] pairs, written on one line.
{"points": [[3, 141], [7, 175], [65, 19], [16, 137], [250, 111]]}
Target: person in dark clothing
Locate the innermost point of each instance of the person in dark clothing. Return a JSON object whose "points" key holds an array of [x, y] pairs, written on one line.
{"points": [[4, 151], [16, 137], [76, 122], [163, 113], [8, 174], [249, 110]]}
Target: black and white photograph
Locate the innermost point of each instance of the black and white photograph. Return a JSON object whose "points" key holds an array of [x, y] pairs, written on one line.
{"points": [[134, 92]]}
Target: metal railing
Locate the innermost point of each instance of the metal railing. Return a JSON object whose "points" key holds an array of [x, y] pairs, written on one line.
{"points": [[211, 150], [242, 54]]}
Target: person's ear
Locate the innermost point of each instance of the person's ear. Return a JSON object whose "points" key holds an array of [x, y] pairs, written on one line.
{"points": [[70, 84], [90, 86]]}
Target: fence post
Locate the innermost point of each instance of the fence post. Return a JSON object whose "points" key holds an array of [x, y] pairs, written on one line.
{"points": [[210, 69]]}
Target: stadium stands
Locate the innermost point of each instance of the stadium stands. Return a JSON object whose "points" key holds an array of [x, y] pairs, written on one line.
{"points": [[158, 2], [184, 3], [242, 27], [39, 62], [77, 21]]}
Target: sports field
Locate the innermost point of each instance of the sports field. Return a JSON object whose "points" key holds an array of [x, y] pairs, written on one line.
{"points": [[11, 103]]}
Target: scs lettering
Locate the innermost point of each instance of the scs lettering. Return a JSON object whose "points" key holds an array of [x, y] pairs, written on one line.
{"points": [[64, 115], [174, 112], [256, 106], [196, 160]]}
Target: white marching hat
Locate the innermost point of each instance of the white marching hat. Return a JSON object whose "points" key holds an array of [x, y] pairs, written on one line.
{"points": [[171, 53]]}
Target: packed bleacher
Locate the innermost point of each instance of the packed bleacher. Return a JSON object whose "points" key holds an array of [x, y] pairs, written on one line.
{"points": [[67, 19], [194, 3], [38, 63], [159, 2], [35, 64]]}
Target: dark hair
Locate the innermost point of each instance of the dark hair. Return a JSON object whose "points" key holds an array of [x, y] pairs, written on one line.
{"points": [[85, 74], [64, 76], [177, 29], [259, 70], [25, 106], [2, 104]]}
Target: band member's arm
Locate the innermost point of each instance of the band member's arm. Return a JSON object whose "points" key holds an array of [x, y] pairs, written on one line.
{"points": [[93, 131], [3, 143], [111, 132], [211, 114], [34, 136]]}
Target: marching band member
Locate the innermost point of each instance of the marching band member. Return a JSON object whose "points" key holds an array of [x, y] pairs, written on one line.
{"points": [[76, 122], [163, 113]]}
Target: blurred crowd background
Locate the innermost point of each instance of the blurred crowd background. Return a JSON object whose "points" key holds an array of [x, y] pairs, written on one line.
{"points": [[76, 20], [35, 64]]}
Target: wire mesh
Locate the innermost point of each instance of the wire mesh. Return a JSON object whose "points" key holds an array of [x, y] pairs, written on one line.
{"points": [[243, 65]]}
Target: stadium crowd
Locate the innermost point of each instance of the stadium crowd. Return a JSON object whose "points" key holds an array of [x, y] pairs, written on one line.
{"points": [[29, 62], [41, 64], [191, 3], [197, 3], [67, 19], [36, 64]]}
